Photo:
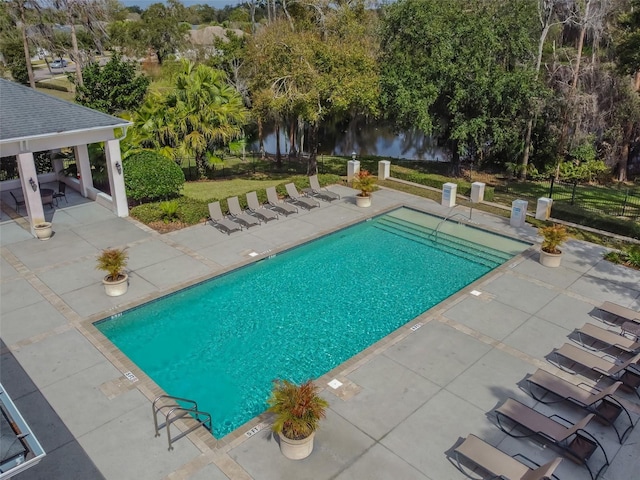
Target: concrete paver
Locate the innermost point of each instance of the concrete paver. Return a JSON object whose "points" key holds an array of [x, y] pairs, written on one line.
{"points": [[413, 395]]}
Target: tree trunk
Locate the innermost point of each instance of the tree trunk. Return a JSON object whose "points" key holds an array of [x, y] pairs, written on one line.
{"points": [[293, 151], [278, 153], [527, 139], [261, 138], [76, 53], [455, 159], [312, 166], [25, 44], [637, 83], [623, 162], [201, 166]]}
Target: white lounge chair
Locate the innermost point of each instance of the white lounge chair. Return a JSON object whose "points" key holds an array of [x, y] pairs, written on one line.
{"points": [[299, 200], [277, 205], [316, 191], [238, 215], [217, 219], [258, 210]]}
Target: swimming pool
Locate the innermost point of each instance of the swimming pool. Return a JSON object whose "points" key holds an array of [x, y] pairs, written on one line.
{"points": [[299, 314]]}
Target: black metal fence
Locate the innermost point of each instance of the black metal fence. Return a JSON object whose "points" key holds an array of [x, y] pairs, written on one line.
{"points": [[616, 201]]}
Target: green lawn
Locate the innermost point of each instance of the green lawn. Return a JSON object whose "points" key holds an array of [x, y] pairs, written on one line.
{"points": [[68, 96], [219, 189]]}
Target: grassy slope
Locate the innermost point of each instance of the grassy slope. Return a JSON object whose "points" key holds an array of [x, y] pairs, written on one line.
{"points": [[225, 188]]}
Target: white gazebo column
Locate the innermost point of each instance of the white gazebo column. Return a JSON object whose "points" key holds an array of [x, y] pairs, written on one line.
{"points": [[29, 178], [84, 169], [116, 178]]}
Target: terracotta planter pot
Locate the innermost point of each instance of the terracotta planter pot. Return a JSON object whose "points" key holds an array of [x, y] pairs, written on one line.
{"points": [[43, 230], [115, 288], [296, 449], [363, 201], [550, 259]]}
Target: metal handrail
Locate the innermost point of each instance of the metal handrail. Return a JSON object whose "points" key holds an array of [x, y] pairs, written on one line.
{"points": [[449, 217], [176, 412]]}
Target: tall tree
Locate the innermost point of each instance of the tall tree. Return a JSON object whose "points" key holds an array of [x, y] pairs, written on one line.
{"points": [[163, 28], [310, 76], [460, 71], [548, 15], [112, 88], [24, 13], [627, 42]]}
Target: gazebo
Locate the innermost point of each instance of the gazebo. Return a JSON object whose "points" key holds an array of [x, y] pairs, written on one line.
{"points": [[32, 122]]}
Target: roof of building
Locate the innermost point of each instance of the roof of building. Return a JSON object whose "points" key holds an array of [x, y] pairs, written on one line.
{"points": [[27, 113]]}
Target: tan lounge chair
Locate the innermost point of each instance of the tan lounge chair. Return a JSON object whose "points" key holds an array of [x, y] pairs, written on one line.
{"points": [[258, 210], [573, 441], [623, 371], [299, 200], [217, 219], [499, 464], [607, 337], [316, 191], [548, 389], [277, 205], [239, 216], [618, 311]]}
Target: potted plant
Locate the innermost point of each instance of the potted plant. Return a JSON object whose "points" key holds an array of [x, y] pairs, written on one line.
{"points": [[298, 410], [113, 261], [553, 236], [43, 230], [366, 183]]}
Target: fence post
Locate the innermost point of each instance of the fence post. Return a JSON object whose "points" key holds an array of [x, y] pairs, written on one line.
{"points": [[551, 187], [573, 193], [624, 204]]}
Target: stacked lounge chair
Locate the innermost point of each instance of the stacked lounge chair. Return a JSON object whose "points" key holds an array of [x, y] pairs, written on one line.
{"points": [[518, 420], [548, 389], [501, 465], [258, 210], [625, 371], [299, 200], [239, 216], [620, 312], [219, 221], [590, 335], [316, 191], [278, 206]]}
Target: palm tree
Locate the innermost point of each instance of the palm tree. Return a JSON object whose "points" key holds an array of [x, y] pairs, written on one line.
{"points": [[201, 112], [207, 111]]}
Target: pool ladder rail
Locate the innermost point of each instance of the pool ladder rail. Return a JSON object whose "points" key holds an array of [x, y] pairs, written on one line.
{"points": [[451, 216], [176, 411]]}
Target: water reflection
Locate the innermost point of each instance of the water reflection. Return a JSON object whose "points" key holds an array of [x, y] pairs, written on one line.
{"points": [[375, 140]]}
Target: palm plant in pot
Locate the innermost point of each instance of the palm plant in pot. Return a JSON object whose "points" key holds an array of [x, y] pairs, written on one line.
{"points": [[553, 236], [366, 183], [113, 261], [298, 410]]}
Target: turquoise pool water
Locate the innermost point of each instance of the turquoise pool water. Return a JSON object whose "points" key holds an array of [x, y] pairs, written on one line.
{"points": [[296, 315]]}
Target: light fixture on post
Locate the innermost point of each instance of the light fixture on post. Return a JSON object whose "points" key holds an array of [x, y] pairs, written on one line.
{"points": [[353, 156], [119, 168], [33, 184]]}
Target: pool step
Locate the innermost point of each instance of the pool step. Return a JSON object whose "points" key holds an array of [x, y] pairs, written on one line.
{"points": [[469, 245], [441, 238], [469, 250]]}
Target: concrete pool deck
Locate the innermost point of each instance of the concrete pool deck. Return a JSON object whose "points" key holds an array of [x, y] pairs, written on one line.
{"points": [[404, 404]]}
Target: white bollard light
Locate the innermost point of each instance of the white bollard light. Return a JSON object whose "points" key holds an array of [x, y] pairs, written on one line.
{"points": [[449, 192]]}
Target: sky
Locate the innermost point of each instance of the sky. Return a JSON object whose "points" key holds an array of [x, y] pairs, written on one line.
{"points": [[214, 3]]}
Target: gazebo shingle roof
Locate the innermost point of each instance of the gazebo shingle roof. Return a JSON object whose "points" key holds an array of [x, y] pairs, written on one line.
{"points": [[28, 113]]}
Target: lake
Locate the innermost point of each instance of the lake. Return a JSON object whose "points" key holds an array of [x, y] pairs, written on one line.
{"points": [[375, 140]]}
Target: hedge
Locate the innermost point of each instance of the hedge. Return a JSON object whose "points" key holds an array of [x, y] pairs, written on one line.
{"points": [[150, 176], [436, 181]]}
